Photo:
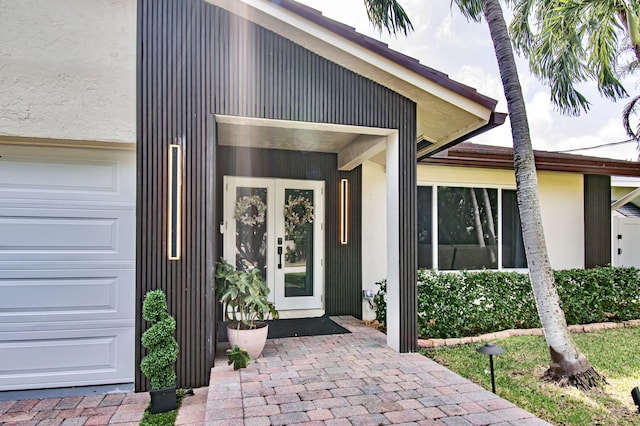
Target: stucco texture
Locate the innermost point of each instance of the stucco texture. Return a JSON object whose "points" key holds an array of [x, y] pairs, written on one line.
{"points": [[68, 69]]}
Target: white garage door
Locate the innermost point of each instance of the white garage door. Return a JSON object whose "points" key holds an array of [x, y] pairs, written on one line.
{"points": [[67, 266], [626, 238]]}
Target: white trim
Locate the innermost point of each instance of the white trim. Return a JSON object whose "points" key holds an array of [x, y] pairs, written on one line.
{"points": [[66, 143], [301, 125], [393, 244], [434, 220]]}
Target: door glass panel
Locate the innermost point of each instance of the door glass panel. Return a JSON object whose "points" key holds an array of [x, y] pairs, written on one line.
{"points": [[298, 248], [250, 214]]}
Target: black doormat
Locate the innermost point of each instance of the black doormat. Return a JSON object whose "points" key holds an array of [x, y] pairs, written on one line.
{"points": [[296, 327]]}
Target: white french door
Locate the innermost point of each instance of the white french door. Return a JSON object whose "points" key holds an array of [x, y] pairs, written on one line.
{"points": [[277, 226]]}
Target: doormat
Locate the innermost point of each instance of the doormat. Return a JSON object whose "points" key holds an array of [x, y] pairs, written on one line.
{"points": [[283, 328]]}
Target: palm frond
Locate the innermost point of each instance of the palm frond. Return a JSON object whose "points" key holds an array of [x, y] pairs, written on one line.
{"points": [[388, 15], [470, 9], [520, 28], [630, 109]]}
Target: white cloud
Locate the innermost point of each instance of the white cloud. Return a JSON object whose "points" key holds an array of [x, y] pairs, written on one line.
{"points": [[539, 114], [611, 132], [446, 33], [500, 136], [486, 83]]}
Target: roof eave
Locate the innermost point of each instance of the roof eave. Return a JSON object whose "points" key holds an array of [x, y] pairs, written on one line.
{"points": [[487, 156]]}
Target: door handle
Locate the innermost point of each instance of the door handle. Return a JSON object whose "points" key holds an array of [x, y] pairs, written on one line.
{"points": [[279, 253]]}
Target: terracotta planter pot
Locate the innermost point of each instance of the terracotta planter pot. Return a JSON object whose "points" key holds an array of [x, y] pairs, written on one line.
{"points": [[253, 340]]}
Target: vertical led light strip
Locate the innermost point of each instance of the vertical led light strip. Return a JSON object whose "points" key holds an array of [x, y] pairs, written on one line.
{"points": [[344, 211], [175, 201]]}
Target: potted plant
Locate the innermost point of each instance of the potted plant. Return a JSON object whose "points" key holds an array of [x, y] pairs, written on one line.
{"points": [[244, 298], [162, 352]]}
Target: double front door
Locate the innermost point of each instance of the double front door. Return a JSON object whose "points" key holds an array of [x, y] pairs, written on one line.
{"points": [[276, 225]]}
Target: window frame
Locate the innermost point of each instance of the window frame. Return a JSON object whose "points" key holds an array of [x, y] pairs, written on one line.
{"points": [[434, 220]]}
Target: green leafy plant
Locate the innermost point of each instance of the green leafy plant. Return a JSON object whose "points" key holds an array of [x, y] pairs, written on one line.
{"points": [[244, 296], [380, 302], [240, 358], [162, 419], [459, 304], [162, 348]]}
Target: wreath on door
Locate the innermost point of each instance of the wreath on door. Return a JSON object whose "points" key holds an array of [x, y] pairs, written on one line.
{"points": [[250, 210], [298, 211]]}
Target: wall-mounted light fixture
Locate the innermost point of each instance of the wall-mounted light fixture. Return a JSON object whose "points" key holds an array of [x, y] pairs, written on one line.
{"points": [[368, 295], [344, 211], [175, 202]]}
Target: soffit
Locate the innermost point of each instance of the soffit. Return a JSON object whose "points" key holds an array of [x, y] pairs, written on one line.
{"points": [[446, 110], [353, 144]]}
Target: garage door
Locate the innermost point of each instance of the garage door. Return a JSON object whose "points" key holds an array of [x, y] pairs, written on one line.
{"points": [[625, 242], [67, 258]]}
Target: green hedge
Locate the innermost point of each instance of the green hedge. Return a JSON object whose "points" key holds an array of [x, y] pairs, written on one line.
{"points": [[462, 304]]}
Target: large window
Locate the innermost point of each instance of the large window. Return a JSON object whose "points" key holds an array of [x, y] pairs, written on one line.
{"points": [[477, 228]]}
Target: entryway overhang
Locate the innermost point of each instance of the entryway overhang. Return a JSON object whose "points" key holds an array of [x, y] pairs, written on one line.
{"points": [[353, 144], [446, 111]]}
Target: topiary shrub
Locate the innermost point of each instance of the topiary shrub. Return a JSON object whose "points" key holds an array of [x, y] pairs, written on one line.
{"points": [[162, 348]]}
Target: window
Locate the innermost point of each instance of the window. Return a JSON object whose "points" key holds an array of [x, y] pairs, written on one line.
{"points": [[477, 228]]}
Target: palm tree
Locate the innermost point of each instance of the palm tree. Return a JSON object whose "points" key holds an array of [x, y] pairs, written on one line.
{"points": [[573, 41], [630, 110], [568, 365]]}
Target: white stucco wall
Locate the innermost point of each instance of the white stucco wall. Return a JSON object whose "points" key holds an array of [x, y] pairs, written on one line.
{"points": [[562, 208], [374, 225], [68, 69]]}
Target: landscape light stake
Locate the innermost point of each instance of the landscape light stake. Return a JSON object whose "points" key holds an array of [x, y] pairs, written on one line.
{"points": [[635, 394], [491, 350]]}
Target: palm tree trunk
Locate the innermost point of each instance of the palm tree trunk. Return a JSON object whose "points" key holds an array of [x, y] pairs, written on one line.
{"points": [[491, 224], [476, 218], [568, 365]]}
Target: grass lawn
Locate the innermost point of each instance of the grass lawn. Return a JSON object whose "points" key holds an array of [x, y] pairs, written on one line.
{"points": [[162, 419], [614, 353]]}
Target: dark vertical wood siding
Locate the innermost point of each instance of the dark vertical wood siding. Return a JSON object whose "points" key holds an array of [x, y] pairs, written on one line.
{"points": [[196, 60], [597, 220], [171, 109]]}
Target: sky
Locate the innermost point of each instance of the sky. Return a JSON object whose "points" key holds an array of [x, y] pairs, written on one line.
{"points": [[444, 40]]}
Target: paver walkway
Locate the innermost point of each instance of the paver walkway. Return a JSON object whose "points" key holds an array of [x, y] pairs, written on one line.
{"points": [[119, 408], [350, 379], [122, 409], [334, 380]]}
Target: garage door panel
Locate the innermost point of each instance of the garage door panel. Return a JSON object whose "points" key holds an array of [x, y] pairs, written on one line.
{"points": [[60, 234], [66, 174], [64, 295], [67, 266], [78, 357]]}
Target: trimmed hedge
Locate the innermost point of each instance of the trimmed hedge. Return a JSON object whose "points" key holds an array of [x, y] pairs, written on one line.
{"points": [[460, 304]]}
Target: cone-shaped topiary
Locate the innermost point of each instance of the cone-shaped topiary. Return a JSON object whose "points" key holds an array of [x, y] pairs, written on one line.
{"points": [[162, 348]]}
